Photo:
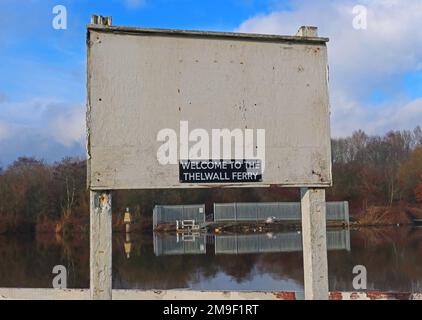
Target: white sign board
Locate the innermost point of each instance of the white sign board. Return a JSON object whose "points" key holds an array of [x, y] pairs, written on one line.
{"points": [[171, 108]]}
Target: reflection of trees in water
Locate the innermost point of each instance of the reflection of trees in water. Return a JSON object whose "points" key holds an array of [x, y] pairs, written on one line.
{"points": [[28, 262], [144, 270], [283, 265], [147, 271], [239, 267], [392, 256], [74, 254]]}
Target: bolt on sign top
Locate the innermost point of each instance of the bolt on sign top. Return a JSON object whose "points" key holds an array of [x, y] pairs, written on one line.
{"points": [[176, 108]]}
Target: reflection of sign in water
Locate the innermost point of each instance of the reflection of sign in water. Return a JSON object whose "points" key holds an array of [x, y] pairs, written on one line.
{"points": [[220, 171]]}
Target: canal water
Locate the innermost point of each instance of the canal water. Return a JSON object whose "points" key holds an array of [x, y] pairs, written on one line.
{"points": [[271, 261]]}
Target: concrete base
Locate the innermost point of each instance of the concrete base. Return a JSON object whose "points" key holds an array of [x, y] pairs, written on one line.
{"points": [[84, 294]]}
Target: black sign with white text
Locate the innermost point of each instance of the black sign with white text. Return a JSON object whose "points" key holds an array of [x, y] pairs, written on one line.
{"points": [[220, 171]]}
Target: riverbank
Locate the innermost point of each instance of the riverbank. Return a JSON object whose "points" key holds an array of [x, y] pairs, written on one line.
{"points": [[373, 216], [388, 215], [248, 226], [67, 227]]}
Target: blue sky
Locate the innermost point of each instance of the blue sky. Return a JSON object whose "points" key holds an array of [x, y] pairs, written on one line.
{"points": [[375, 79]]}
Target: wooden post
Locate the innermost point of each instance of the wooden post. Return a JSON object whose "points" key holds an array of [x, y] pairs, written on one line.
{"points": [[315, 264], [100, 250]]}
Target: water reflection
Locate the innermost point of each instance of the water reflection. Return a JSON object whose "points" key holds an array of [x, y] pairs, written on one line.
{"points": [[127, 245], [393, 257], [195, 243], [273, 261], [28, 260], [180, 243]]}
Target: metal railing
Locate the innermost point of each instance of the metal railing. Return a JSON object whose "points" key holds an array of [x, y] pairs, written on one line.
{"points": [[171, 214], [280, 211]]}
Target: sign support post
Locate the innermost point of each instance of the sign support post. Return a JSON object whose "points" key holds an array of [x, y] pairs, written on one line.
{"points": [[100, 245], [314, 238], [100, 260]]}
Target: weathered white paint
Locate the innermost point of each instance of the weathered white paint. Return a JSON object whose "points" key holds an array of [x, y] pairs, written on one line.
{"points": [[315, 264], [43, 294], [143, 80], [101, 245], [84, 294]]}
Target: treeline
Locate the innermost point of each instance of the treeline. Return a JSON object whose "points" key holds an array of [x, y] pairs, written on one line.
{"points": [[33, 193], [375, 170], [367, 170]]}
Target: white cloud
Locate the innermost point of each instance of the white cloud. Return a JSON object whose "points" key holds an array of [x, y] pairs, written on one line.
{"points": [[4, 131], [405, 116], [399, 115], [134, 4], [361, 61], [46, 128], [69, 127]]}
